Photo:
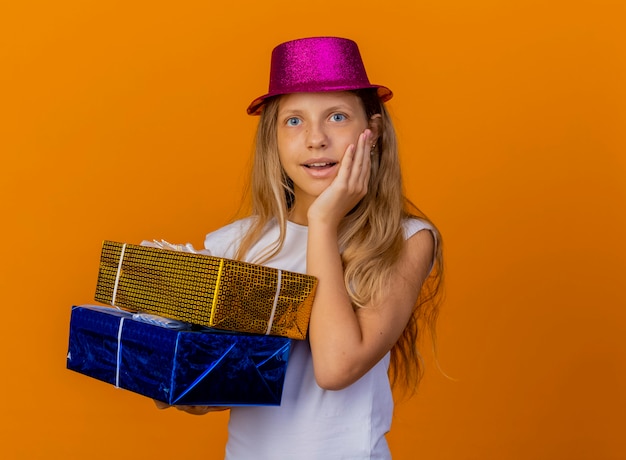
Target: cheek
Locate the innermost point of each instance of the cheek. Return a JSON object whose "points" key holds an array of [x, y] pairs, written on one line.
{"points": [[287, 146], [286, 157], [282, 152], [351, 137], [281, 139]]}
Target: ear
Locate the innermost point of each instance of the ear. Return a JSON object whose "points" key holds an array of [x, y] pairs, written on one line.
{"points": [[376, 126]]}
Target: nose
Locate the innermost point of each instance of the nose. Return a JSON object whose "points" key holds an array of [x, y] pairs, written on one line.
{"points": [[316, 137]]}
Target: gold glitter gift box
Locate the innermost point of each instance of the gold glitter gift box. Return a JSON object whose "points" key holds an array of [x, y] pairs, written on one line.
{"points": [[205, 290]]}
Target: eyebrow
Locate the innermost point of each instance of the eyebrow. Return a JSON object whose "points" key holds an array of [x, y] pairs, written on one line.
{"points": [[296, 111], [340, 108]]}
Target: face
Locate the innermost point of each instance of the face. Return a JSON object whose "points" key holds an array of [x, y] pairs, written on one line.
{"points": [[313, 132]]}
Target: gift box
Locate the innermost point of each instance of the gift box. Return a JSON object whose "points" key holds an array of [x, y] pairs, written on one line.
{"points": [[206, 290], [212, 368]]}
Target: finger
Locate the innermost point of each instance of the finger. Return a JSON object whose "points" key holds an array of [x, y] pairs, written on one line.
{"points": [[194, 410], [200, 410], [365, 174], [353, 172], [354, 160], [367, 161], [161, 404], [346, 163], [361, 163]]}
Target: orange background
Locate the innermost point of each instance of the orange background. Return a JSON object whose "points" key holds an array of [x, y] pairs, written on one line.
{"points": [[126, 121]]}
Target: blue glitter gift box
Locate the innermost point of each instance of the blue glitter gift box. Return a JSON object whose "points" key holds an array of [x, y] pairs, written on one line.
{"points": [[212, 368]]}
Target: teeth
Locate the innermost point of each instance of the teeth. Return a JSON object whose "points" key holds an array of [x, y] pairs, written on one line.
{"points": [[318, 165]]}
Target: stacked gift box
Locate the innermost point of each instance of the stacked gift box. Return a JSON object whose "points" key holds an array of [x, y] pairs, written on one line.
{"points": [[234, 322]]}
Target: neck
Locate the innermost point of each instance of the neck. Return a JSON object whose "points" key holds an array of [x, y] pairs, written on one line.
{"points": [[298, 213]]}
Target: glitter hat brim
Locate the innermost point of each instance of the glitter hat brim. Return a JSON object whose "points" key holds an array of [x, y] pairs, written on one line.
{"points": [[256, 107]]}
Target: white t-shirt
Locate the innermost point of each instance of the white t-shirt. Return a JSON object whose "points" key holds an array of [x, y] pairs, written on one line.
{"points": [[311, 423]]}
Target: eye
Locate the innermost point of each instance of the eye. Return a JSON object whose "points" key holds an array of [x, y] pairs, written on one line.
{"points": [[293, 121], [337, 117]]}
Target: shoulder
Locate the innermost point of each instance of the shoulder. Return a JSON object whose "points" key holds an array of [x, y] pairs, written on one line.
{"points": [[223, 242], [422, 245]]}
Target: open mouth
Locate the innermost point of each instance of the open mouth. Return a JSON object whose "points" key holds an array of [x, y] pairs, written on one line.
{"points": [[319, 165]]}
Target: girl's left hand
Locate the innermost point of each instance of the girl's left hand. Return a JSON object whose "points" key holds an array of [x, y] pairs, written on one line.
{"points": [[349, 187], [193, 410]]}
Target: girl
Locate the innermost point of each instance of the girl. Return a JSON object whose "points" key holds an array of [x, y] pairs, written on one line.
{"points": [[327, 200]]}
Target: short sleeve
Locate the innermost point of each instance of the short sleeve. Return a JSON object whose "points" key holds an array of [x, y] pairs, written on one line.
{"points": [[412, 226], [224, 241]]}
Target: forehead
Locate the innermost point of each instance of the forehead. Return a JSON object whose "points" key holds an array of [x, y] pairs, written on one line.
{"points": [[320, 101]]}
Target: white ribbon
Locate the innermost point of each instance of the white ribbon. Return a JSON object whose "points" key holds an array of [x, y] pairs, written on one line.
{"points": [[161, 321], [117, 277], [119, 353], [270, 322]]}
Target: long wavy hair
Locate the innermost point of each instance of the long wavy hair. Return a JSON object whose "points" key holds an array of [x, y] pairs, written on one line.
{"points": [[371, 235]]}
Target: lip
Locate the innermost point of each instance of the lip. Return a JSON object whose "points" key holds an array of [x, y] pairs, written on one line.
{"points": [[320, 168]]}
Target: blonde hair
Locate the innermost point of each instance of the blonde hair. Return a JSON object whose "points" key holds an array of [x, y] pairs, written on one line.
{"points": [[371, 235]]}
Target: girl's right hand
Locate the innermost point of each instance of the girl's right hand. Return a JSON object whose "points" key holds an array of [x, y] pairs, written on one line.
{"points": [[349, 187]]}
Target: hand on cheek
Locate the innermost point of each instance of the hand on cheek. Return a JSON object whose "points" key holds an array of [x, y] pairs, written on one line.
{"points": [[350, 185]]}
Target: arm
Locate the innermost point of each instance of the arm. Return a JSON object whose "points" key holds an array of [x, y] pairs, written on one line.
{"points": [[345, 343]]}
